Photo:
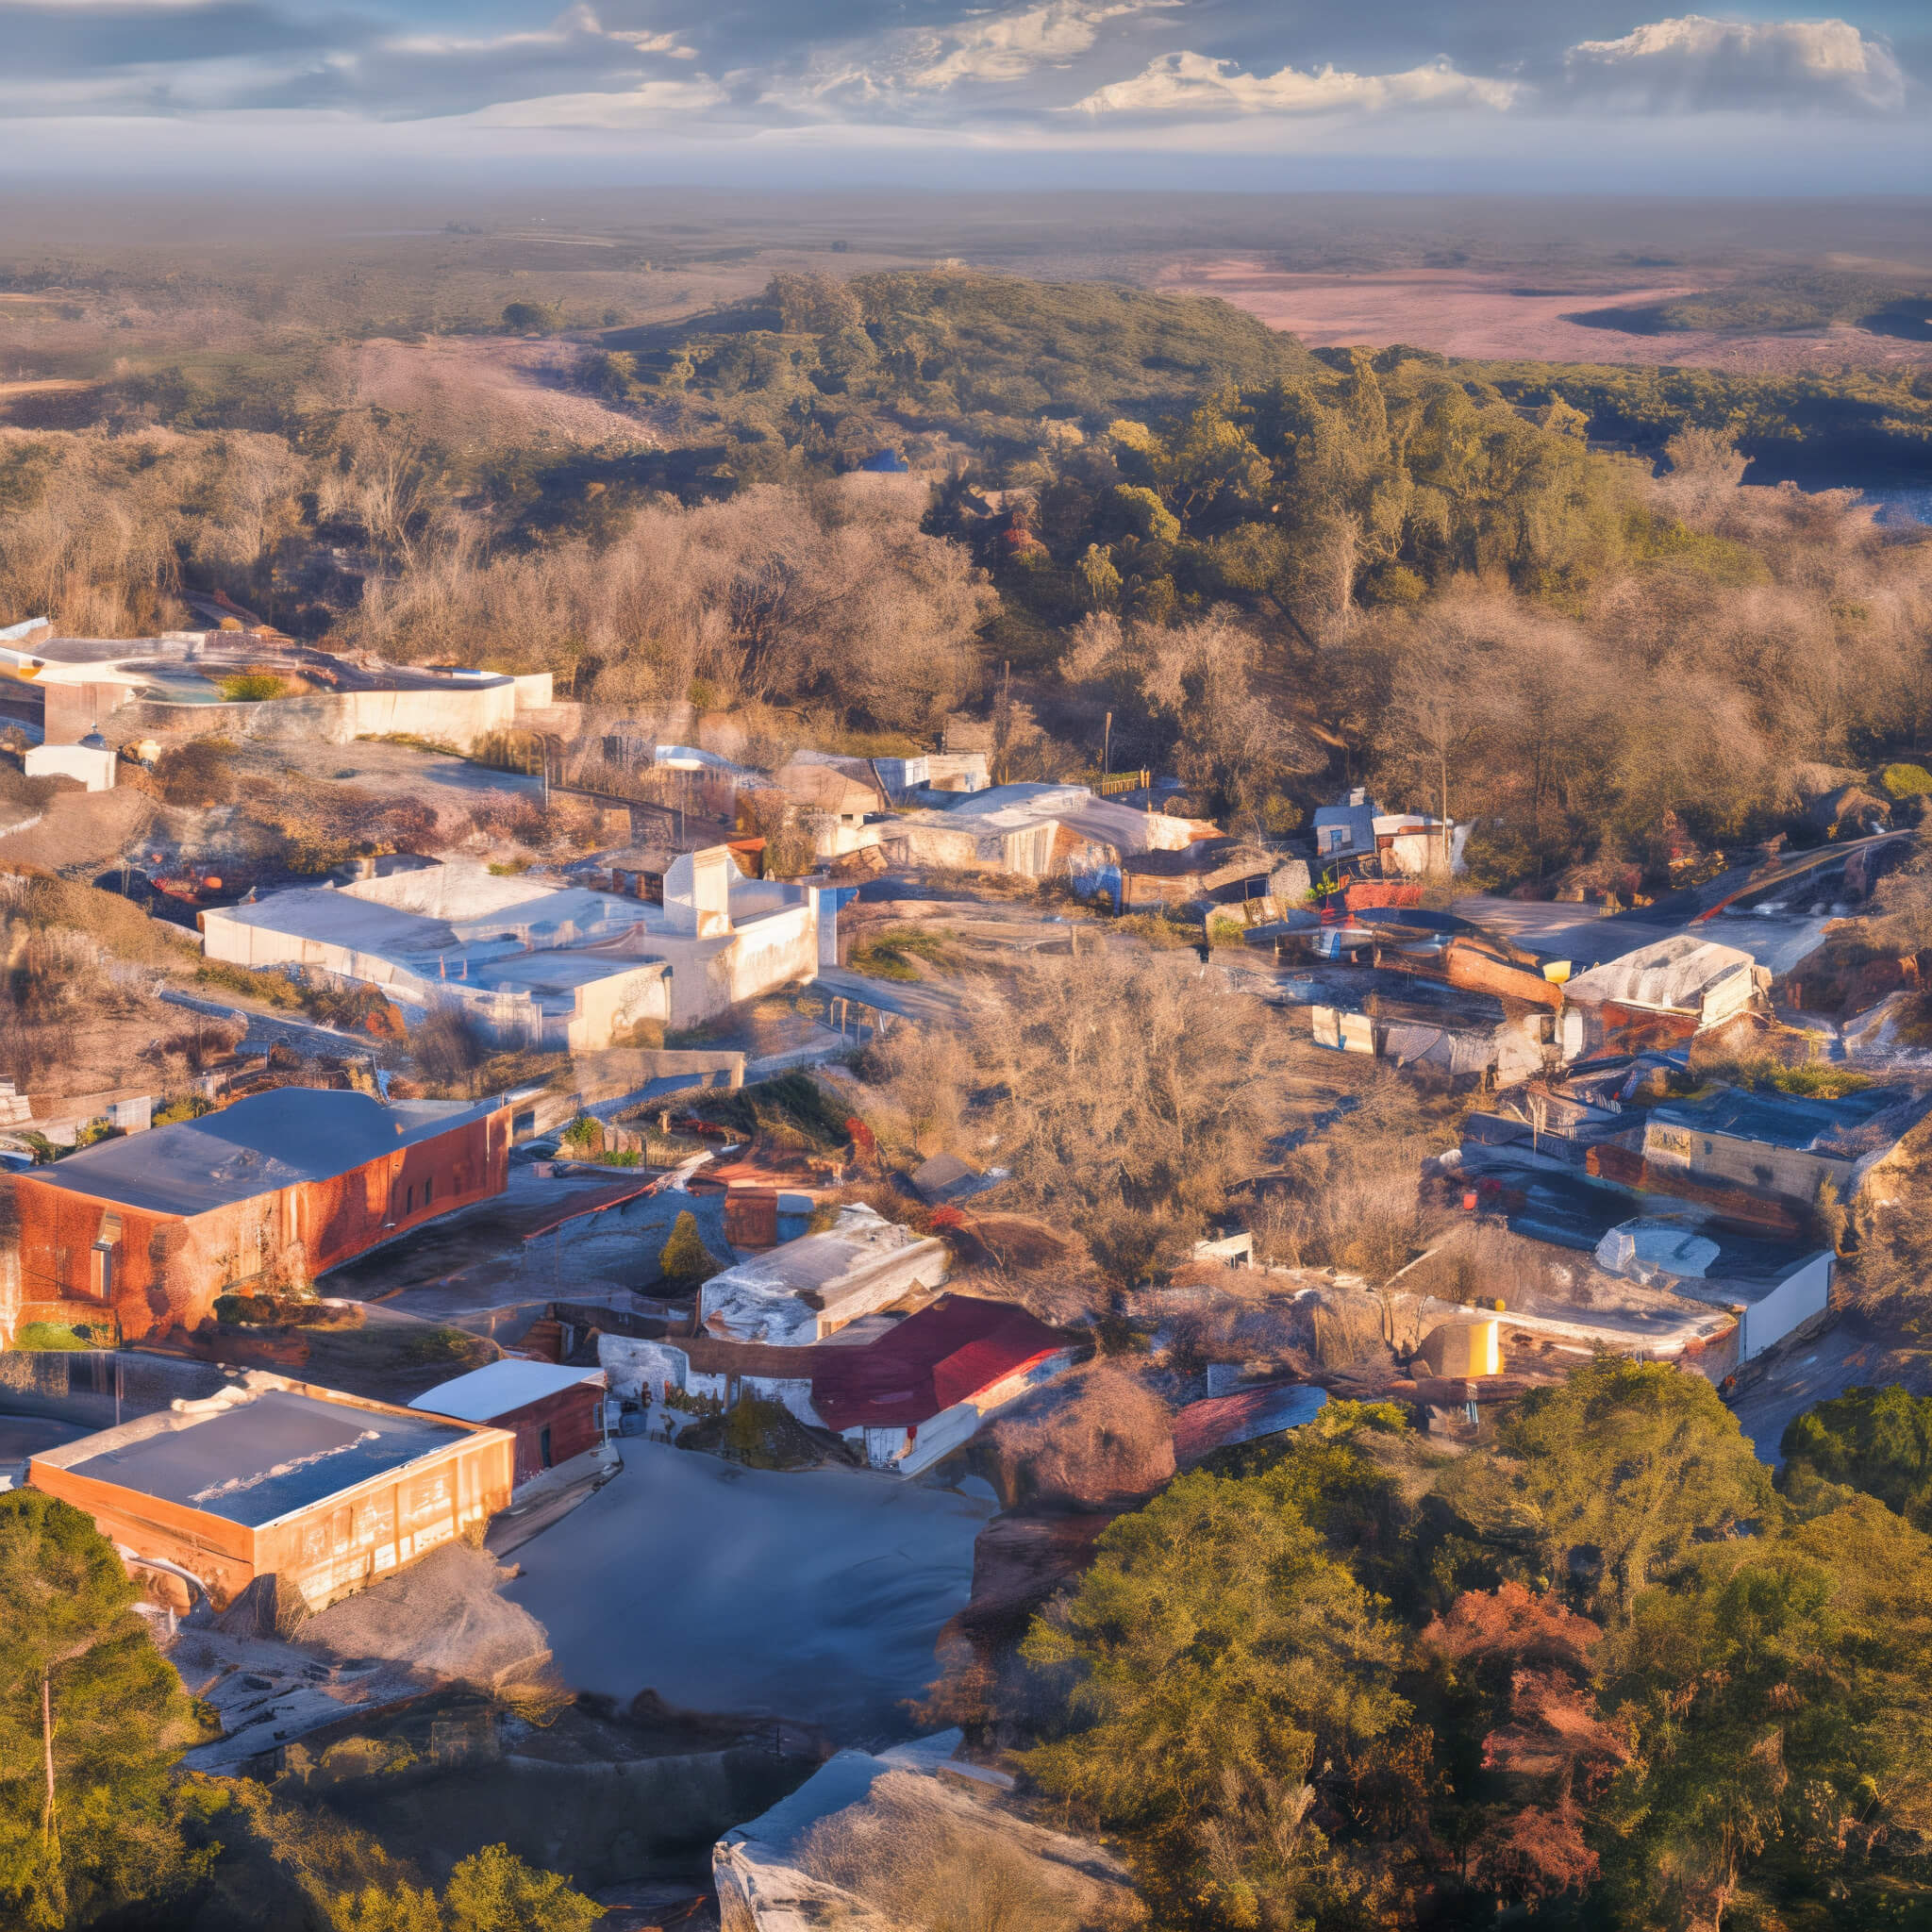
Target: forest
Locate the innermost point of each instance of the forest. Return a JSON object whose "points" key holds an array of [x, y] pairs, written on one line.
{"points": [[1547, 598]]}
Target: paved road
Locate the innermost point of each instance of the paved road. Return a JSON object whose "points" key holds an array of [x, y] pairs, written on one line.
{"points": [[1845, 1356]]}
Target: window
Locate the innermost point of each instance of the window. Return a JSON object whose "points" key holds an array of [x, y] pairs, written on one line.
{"points": [[410, 1202], [429, 1188], [543, 1446]]}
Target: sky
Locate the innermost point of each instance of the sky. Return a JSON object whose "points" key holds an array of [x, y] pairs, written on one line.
{"points": [[1484, 94]]}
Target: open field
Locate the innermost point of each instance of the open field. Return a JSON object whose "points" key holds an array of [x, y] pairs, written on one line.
{"points": [[1512, 314]]}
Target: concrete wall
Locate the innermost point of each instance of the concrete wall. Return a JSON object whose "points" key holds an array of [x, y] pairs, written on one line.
{"points": [[458, 714], [1792, 1173], [1796, 1300], [93, 767]]}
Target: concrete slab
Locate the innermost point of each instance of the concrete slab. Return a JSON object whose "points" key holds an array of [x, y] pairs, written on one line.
{"points": [[814, 1595]]}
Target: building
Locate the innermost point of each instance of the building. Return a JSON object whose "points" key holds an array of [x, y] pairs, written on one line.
{"points": [[1661, 996], [554, 1412], [924, 1388], [1430, 1026], [282, 1186], [808, 1289], [1358, 832], [1036, 830], [323, 1491], [178, 685], [906, 1391], [1779, 1148], [545, 966]]}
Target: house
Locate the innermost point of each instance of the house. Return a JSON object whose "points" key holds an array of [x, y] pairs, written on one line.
{"points": [[543, 966], [555, 1412], [1224, 871], [924, 1388], [1036, 830], [1661, 996], [1358, 831], [1779, 1147], [281, 1185], [808, 1289], [907, 1389], [276, 1478]]}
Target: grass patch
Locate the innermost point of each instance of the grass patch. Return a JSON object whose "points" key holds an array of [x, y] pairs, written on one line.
{"points": [[53, 1338], [896, 952], [271, 988], [252, 687], [1158, 930]]}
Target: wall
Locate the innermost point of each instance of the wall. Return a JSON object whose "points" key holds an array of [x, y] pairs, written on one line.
{"points": [[606, 1012], [93, 767], [460, 715], [1796, 1299], [1792, 1173], [570, 1415]]}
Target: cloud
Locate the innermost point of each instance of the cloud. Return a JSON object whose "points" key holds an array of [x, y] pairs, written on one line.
{"points": [[651, 104], [1192, 82], [1695, 65], [1010, 46]]}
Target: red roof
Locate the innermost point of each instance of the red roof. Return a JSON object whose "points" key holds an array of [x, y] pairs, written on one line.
{"points": [[949, 1350]]}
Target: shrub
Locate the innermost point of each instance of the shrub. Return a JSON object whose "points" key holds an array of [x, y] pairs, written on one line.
{"points": [[190, 1106], [684, 1257], [1906, 781], [54, 1336], [252, 687], [197, 774]]}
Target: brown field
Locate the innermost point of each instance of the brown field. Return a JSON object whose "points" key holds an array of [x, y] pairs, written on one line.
{"points": [[484, 390], [1509, 315]]}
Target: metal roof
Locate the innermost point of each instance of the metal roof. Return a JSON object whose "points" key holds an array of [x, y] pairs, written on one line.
{"points": [[498, 1388], [259, 1459], [258, 1146]]}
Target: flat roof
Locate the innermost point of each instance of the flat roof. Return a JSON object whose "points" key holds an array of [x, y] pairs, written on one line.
{"points": [[498, 1388], [1845, 1129], [260, 1459], [268, 1141]]}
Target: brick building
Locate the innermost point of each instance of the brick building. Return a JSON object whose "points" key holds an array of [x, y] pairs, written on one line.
{"points": [[324, 1490], [282, 1186], [555, 1412]]}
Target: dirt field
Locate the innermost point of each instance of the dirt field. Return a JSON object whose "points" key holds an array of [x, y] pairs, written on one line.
{"points": [[1506, 315], [483, 389]]}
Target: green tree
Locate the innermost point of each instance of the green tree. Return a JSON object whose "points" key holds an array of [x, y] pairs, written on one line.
{"points": [[493, 1891], [1781, 1695], [532, 318], [92, 1718], [1220, 1664], [684, 1257], [1628, 1463], [1874, 1440]]}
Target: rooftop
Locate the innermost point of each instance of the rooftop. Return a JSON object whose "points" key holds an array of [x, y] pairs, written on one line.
{"points": [[1674, 973], [259, 1459], [268, 1141], [1846, 1128], [498, 1388], [949, 1350]]}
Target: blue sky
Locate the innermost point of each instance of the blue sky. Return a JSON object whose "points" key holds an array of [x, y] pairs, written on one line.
{"points": [[1493, 94]]}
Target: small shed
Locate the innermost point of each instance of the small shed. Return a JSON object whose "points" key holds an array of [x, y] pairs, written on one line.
{"points": [[1458, 1350], [555, 1411]]}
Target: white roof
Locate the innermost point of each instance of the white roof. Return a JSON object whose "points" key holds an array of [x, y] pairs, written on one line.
{"points": [[498, 1388], [1673, 975]]}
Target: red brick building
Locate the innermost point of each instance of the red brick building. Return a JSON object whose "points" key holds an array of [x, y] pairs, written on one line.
{"points": [[552, 1410], [282, 1186]]}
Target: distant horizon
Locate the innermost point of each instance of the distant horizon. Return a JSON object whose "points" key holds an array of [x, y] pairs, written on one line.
{"points": [[1128, 93]]}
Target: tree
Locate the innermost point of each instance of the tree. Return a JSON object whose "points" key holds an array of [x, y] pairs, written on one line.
{"points": [[684, 1258], [91, 1720], [493, 1891], [1223, 1669], [1874, 1440], [1781, 1693], [1628, 1463], [1523, 1663]]}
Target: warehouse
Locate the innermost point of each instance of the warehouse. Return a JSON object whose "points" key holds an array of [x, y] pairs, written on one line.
{"points": [[278, 1479], [277, 1189]]}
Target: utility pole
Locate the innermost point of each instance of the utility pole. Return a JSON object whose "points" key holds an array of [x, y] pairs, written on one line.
{"points": [[1107, 751]]}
